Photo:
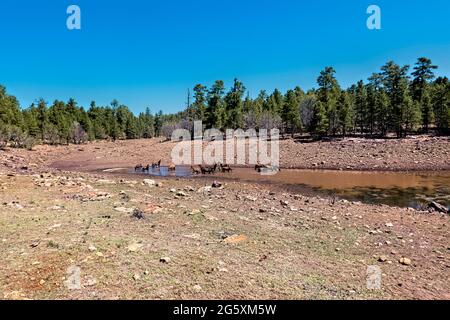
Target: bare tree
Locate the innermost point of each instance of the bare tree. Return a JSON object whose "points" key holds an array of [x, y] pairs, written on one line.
{"points": [[168, 128], [3, 140], [250, 120], [78, 134], [307, 111], [270, 121]]}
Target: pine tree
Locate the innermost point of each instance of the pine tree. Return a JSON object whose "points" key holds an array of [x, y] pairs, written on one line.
{"points": [[319, 124], [328, 94], [344, 113], [361, 106], [290, 113], [395, 81], [42, 117], [215, 112], [441, 104], [234, 106], [423, 74], [199, 105]]}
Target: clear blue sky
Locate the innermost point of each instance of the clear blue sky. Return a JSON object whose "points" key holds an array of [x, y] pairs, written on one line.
{"points": [[147, 52]]}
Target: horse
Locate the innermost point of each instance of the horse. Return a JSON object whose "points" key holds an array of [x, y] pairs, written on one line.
{"points": [[138, 167], [259, 167], [225, 168], [156, 164], [206, 170], [195, 170]]}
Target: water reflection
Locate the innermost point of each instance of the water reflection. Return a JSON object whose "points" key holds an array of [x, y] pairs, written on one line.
{"points": [[163, 171], [405, 189]]}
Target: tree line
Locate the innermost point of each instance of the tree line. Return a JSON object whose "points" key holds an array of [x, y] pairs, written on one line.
{"points": [[393, 100], [390, 101]]}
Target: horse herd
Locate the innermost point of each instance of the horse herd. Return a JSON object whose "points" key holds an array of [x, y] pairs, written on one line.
{"points": [[217, 167], [195, 170], [154, 165], [211, 169]]}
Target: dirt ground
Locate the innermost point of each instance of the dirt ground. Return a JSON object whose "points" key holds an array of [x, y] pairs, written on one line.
{"points": [[238, 241], [415, 153]]}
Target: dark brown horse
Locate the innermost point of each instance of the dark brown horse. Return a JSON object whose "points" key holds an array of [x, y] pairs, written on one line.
{"points": [[206, 170], [156, 164], [225, 168]]}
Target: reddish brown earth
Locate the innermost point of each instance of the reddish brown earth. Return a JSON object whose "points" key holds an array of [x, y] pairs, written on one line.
{"points": [[416, 153], [240, 241]]}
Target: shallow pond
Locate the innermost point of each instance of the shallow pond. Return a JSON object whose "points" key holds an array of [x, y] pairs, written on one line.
{"points": [[405, 189]]}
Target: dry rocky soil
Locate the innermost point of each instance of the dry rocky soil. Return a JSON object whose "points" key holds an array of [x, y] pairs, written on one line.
{"points": [[140, 237]]}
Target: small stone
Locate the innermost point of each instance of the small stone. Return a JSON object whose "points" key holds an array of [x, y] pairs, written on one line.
{"points": [[197, 288], [382, 258], [194, 212], [216, 184], [138, 214], [405, 261], [181, 194], [136, 277], [235, 238], [91, 282], [164, 260], [92, 248], [149, 182], [124, 210], [389, 225], [133, 247]]}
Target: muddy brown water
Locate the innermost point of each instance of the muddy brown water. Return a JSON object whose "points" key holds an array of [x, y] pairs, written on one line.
{"points": [[404, 189]]}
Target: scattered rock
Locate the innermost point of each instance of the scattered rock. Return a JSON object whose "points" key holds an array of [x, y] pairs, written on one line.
{"points": [[197, 288], [204, 189], [105, 181], [133, 247], [194, 212], [216, 184], [236, 238], [434, 206], [164, 260], [138, 214], [124, 210], [149, 182], [405, 261], [181, 194]]}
